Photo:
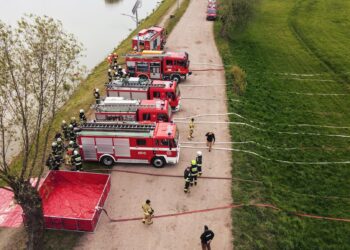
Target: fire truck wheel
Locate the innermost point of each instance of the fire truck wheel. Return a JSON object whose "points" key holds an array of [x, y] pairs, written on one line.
{"points": [[158, 162], [176, 78], [107, 161]]}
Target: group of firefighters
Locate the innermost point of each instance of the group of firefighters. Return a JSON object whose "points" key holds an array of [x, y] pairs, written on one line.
{"points": [[115, 71], [66, 153]]}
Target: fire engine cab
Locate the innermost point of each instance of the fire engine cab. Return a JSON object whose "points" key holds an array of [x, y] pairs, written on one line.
{"points": [[153, 38], [119, 109], [158, 65], [111, 143], [135, 88]]}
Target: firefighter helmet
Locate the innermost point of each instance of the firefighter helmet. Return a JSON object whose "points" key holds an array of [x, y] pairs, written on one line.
{"points": [[73, 118], [71, 143], [70, 126], [59, 140], [64, 122], [75, 152], [193, 162], [199, 153], [109, 70], [54, 144], [119, 67], [81, 111]]}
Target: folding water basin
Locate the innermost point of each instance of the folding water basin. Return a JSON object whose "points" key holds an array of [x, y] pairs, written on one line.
{"points": [[71, 199]]}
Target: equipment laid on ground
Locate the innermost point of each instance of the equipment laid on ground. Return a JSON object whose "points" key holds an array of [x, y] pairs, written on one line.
{"points": [[119, 109], [135, 88], [153, 38], [71, 201], [111, 142], [158, 65]]}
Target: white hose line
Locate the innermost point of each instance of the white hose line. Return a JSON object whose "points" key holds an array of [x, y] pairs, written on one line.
{"points": [[296, 74], [315, 94], [263, 123], [208, 99], [202, 115], [309, 79], [243, 142], [202, 85], [211, 64], [266, 130], [270, 159]]}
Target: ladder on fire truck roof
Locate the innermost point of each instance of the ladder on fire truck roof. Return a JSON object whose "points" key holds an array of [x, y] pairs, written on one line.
{"points": [[126, 127], [139, 84], [148, 53], [123, 107]]}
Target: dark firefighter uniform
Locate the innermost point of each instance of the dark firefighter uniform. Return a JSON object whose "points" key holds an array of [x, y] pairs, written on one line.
{"points": [[199, 160], [50, 162], [194, 172], [188, 179], [82, 117], [57, 161], [64, 128], [97, 96], [77, 161]]}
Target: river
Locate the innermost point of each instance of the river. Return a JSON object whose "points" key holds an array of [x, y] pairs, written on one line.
{"points": [[98, 24]]}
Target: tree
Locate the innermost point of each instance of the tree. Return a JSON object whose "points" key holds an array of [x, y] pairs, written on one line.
{"points": [[38, 68]]}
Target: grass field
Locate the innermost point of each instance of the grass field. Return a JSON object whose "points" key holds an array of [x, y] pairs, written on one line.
{"points": [[292, 51]]}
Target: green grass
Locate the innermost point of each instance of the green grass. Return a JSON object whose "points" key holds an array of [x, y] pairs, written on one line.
{"points": [[299, 37]]}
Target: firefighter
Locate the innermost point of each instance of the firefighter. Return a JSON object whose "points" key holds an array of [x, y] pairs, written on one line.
{"points": [[68, 155], [115, 58], [73, 122], [73, 144], [194, 172], [97, 96], [147, 213], [50, 162], [64, 128], [191, 127], [54, 147], [58, 135], [120, 71], [57, 161], [82, 116], [60, 146], [110, 75], [77, 161], [72, 135], [199, 159], [188, 179]]}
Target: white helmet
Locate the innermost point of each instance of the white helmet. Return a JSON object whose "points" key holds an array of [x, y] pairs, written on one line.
{"points": [[199, 153], [54, 144], [75, 152], [59, 140], [64, 122], [82, 111], [71, 143], [97, 90], [109, 70], [119, 67]]}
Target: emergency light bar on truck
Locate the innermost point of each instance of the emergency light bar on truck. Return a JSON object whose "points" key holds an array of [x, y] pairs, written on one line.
{"points": [[134, 88], [110, 142], [119, 109]]}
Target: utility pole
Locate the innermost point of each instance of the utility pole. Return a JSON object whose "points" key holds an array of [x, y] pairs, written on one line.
{"points": [[134, 11]]}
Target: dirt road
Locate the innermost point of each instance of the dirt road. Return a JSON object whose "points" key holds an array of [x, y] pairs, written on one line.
{"points": [[194, 35]]}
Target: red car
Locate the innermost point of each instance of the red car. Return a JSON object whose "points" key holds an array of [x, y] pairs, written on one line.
{"points": [[211, 14]]}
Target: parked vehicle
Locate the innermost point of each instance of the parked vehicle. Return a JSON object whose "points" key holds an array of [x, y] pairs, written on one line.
{"points": [[119, 109], [134, 88], [110, 143], [153, 38], [211, 14], [158, 65]]}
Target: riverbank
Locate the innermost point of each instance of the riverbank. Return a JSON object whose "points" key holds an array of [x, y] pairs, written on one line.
{"points": [[82, 99]]}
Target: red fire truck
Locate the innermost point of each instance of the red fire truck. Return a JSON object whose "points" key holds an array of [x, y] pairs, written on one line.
{"points": [[153, 38], [111, 143], [119, 109], [135, 88], [158, 65]]}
